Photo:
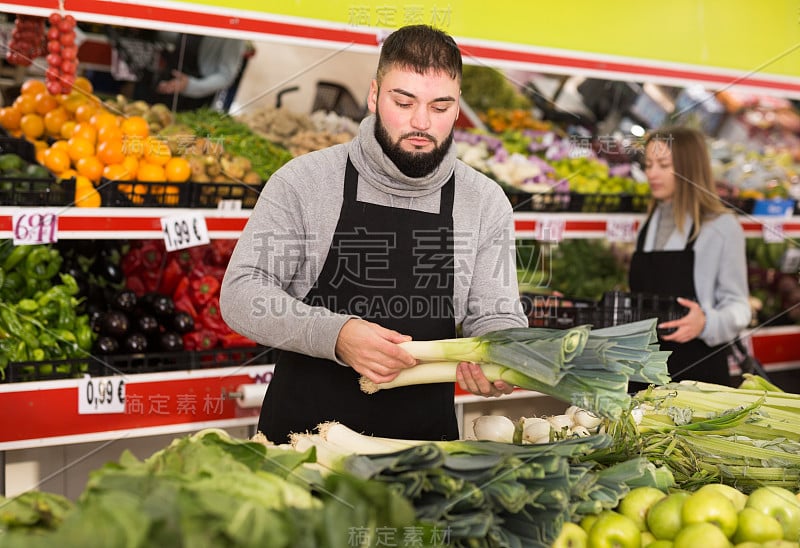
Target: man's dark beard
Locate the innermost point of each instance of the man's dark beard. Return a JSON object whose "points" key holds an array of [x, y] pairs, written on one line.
{"points": [[412, 164]]}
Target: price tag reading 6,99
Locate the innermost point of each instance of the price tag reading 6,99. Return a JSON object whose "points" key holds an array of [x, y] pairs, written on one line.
{"points": [[98, 395], [39, 226], [182, 231]]}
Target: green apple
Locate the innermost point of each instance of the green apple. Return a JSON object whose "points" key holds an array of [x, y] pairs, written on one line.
{"points": [[664, 518], [781, 504], [637, 502], [756, 526], [587, 521], [701, 535], [738, 498], [660, 544], [613, 530], [647, 538], [780, 544], [571, 535], [711, 507], [748, 544]]}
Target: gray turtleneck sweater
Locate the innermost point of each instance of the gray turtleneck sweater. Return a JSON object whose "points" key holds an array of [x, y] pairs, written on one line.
{"points": [[286, 240]]}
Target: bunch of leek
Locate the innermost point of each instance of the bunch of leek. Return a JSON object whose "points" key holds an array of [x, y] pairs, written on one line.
{"points": [[585, 367], [482, 493], [708, 433]]}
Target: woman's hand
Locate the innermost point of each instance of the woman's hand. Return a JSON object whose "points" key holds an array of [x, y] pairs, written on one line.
{"points": [[176, 85], [471, 378], [689, 326]]}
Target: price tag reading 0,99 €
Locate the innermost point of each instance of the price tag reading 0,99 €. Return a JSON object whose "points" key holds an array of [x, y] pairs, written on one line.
{"points": [[35, 226], [98, 395], [182, 231]]}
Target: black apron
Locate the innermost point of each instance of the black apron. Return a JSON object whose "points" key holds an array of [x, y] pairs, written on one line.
{"points": [[188, 65], [671, 274], [394, 267]]}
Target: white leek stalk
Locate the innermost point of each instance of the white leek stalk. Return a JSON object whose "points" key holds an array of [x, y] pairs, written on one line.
{"points": [[494, 428]]}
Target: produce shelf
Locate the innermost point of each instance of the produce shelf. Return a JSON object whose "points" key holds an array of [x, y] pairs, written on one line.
{"points": [[114, 223]]}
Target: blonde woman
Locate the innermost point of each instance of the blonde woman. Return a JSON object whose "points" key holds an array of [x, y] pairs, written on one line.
{"points": [[692, 248]]}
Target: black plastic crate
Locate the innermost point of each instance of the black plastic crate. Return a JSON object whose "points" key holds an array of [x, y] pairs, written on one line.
{"points": [[607, 203], [25, 191], [552, 202], [558, 312], [209, 195], [128, 364], [145, 194]]}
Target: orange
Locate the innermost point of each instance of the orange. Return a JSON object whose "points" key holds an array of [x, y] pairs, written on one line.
{"points": [[83, 84], [156, 151], [171, 195], [39, 144], [177, 170], [90, 167], [45, 102], [86, 194], [148, 173], [39, 155], [32, 87], [133, 145], [32, 126], [79, 148], [67, 128], [10, 117], [85, 111], [135, 126], [109, 133], [131, 165], [67, 174], [56, 160], [72, 101], [110, 152], [61, 144], [26, 104], [86, 131], [103, 118], [117, 172], [54, 119]]}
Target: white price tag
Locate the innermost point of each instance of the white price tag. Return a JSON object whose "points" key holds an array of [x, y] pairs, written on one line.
{"points": [[620, 229], [182, 231], [98, 395], [35, 226], [772, 232], [550, 229], [790, 262]]}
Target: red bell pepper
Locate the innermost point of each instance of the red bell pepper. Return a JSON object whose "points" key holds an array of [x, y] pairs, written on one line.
{"points": [[152, 254], [204, 289], [170, 277], [211, 317], [182, 299], [235, 340], [202, 339]]}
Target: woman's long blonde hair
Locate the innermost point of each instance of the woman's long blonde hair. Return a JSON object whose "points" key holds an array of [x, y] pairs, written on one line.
{"points": [[695, 192]]}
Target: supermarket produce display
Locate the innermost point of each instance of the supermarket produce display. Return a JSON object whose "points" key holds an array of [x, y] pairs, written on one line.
{"points": [[678, 465]]}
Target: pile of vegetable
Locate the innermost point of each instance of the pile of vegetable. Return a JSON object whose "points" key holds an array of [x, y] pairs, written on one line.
{"points": [[209, 489], [39, 318], [483, 493], [184, 287], [587, 367], [746, 437]]}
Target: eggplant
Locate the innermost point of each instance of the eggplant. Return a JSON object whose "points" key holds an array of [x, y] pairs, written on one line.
{"points": [[148, 324], [171, 342], [115, 323], [162, 306], [182, 322], [135, 343], [106, 345], [124, 301]]}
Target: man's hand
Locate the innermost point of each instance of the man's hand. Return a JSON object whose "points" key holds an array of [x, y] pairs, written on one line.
{"points": [[176, 85], [471, 378], [373, 350], [689, 326]]}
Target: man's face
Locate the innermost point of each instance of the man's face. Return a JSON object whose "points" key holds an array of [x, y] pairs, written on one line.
{"points": [[415, 115]]}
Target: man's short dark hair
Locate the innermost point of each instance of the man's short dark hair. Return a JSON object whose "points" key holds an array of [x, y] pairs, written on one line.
{"points": [[421, 48]]}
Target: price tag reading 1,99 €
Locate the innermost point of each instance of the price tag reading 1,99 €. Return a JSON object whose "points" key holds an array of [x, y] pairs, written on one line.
{"points": [[35, 226], [182, 231], [98, 395]]}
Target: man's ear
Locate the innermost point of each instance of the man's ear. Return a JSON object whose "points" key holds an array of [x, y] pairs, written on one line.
{"points": [[372, 98]]}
